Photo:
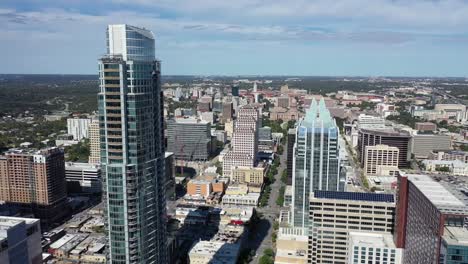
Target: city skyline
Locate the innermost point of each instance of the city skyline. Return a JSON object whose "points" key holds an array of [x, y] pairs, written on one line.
{"points": [[350, 38]]}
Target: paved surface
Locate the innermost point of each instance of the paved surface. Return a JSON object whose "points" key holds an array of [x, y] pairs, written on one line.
{"points": [[270, 215]]}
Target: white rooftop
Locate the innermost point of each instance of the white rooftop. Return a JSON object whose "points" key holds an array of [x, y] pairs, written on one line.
{"points": [[436, 193], [456, 235], [375, 240]]}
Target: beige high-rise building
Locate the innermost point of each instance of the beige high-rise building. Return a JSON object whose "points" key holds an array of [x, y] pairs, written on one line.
{"points": [[94, 142], [381, 160], [34, 180], [244, 140], [333, 215]]}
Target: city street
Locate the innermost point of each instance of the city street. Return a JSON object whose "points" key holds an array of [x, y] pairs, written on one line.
{"points": [[270, 213]]}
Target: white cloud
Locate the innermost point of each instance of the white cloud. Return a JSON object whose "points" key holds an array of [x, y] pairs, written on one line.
{"points": [[408, 14]]}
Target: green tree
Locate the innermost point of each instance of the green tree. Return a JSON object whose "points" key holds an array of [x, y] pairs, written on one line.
{"points": [[443, 169], [78, 152], [266, 260], [269, 252]]}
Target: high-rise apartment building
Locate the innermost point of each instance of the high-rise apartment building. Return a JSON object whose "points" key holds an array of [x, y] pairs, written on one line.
{"points": [[78, 127], [21, 240], [390, 137], [425, 209], [35, 180], [94, 142], [333, 215], [132, 148], [315, 160], [381, 160]]}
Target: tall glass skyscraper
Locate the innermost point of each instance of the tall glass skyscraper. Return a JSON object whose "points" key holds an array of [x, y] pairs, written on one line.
{"points": [[316, 160], [132, 149]]}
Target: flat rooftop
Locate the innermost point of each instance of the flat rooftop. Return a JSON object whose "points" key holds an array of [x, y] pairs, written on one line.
{"points": [[354, 196], [456, 235], [362, 239], [440, 196]]}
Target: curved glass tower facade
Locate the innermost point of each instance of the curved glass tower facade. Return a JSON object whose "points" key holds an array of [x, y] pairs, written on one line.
{"points": [[132, 148], [316, 160]]}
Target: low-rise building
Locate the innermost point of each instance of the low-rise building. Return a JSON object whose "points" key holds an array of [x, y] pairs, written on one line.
{"points": [[199, 187], [250, 199], [425, 126], [454, 167], [249, 175], [373, 248], [291, 246], [449, 155], [214, 252]]}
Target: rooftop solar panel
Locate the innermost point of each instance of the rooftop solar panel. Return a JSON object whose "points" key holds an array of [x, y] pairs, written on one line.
{"points": [[370, 197]]}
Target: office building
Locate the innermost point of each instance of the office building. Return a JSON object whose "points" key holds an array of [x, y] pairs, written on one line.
{"points": [[235, 90], [424, 208], [249, 199], [457, 111], [189, 139], [169, 170], [244, 141], [214, 252], [381, 160], [132, 154], [235, 159], [453, 167], [370, 122], [423, 145], [367, 247], [291, 246], [249, 175], [315, 160], [86, 176], [78, 127], [425, 126], [201, 188], [21, 240], [390, 137], [449, 155], [290, 153], [35, 180], [94, 142], [227, 111], [264, 133], [454, 246], [283, 102], [217, 106], [204, 106], [333, 215]]}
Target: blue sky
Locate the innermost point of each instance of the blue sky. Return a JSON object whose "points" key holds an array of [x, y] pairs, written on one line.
{"points": [[276, 37]]}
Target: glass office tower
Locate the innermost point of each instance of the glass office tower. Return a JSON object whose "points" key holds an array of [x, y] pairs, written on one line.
{"points": [[132, 149], [316, 160]]}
